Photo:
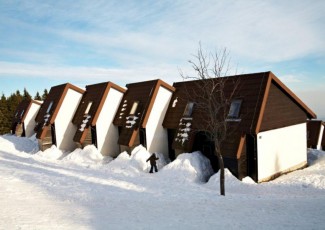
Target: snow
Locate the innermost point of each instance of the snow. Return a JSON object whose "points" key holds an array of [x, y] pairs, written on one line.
{"points": [[84, 190]]}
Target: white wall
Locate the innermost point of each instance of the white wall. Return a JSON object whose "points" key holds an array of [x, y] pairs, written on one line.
{"points": [[157, 139], [281, 149], [107, 133], [64, 128], [319, 142], [29, 121]]}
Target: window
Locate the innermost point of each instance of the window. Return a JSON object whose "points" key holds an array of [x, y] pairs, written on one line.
{"points": [[49, 108], [22, 113], [134, 107], [88, 107], [188, 109], [235, 108]]}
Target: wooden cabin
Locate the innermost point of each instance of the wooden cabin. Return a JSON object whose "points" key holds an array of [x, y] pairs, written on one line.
{"points": [[140, 116], [267, 123], [94, 118], [54, 119], [315, 136], [23, 123]]}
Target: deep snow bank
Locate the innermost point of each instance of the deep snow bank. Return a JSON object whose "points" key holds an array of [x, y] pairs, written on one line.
{"points": [[194, 167], [14, 144], [88, 156], [136, 162]]}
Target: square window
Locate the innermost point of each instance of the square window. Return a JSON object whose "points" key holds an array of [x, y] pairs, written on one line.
{"points": [[235, 108], [188, 109]]}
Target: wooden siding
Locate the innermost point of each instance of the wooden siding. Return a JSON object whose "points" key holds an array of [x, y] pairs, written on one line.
{"points": [[266, 104], [19, 130], [280, 110], [20, 115], [251, 88], [56, 95], [136, 92], [144, 93], [95, 94], [313, 132], [46, 141], [88, 139]]}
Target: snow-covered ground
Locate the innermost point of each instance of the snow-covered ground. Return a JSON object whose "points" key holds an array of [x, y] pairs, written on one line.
{"points": [[83, 190]]}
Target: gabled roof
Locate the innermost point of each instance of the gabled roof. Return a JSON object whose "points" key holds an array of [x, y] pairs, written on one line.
{"points": [[273, 79], [144, 93], [254, 89], [23, 108], [52, 102], [96, 94]]}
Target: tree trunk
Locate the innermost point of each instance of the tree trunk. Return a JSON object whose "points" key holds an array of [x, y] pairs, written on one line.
{"points": [[222, 173]]}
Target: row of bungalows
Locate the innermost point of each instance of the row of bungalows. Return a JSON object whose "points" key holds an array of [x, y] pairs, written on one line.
{"points": [[269, 131]]}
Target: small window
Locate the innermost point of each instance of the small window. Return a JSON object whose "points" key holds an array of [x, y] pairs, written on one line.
{"points": [[188, 109], [88, 107], [134, 107], [49, 108], [235, 108], [22, 113]]}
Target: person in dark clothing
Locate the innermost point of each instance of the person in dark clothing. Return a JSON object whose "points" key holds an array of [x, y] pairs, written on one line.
{"points": [[153, 164]]}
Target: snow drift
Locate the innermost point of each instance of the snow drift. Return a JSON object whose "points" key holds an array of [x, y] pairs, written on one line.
{"points": [[80, 190]]}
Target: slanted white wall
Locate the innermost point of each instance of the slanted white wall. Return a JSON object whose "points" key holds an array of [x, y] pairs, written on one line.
{"points": [[281, 149], [157, 139], [319, 142], [64, 128], [29, 121], [107, 133]]}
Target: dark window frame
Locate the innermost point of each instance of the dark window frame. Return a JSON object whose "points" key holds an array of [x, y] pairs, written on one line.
{"points": [[188, 111], [235, 108]]}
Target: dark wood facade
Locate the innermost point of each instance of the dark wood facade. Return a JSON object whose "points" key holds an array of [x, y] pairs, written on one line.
{"points": [[86, 121], [132, 125], [323, 138], [315, 134], [45, 119], [267, 104]]}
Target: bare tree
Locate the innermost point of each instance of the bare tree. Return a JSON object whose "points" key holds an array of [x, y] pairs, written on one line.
{"points": [[212, 95]]}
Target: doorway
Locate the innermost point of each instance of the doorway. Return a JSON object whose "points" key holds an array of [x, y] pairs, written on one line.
{"points": [[203, 143], [251, 152]]}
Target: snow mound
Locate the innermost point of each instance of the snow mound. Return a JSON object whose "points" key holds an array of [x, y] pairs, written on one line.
{"points": [[52, 153], [136, 162], [87, 156], [310, 177], [193, 167], [315, 156], [248, 180], [33, 138], [230, 180], [16, 144]]}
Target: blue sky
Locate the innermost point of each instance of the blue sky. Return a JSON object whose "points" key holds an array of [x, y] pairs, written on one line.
{"points": [[46, 43]]}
